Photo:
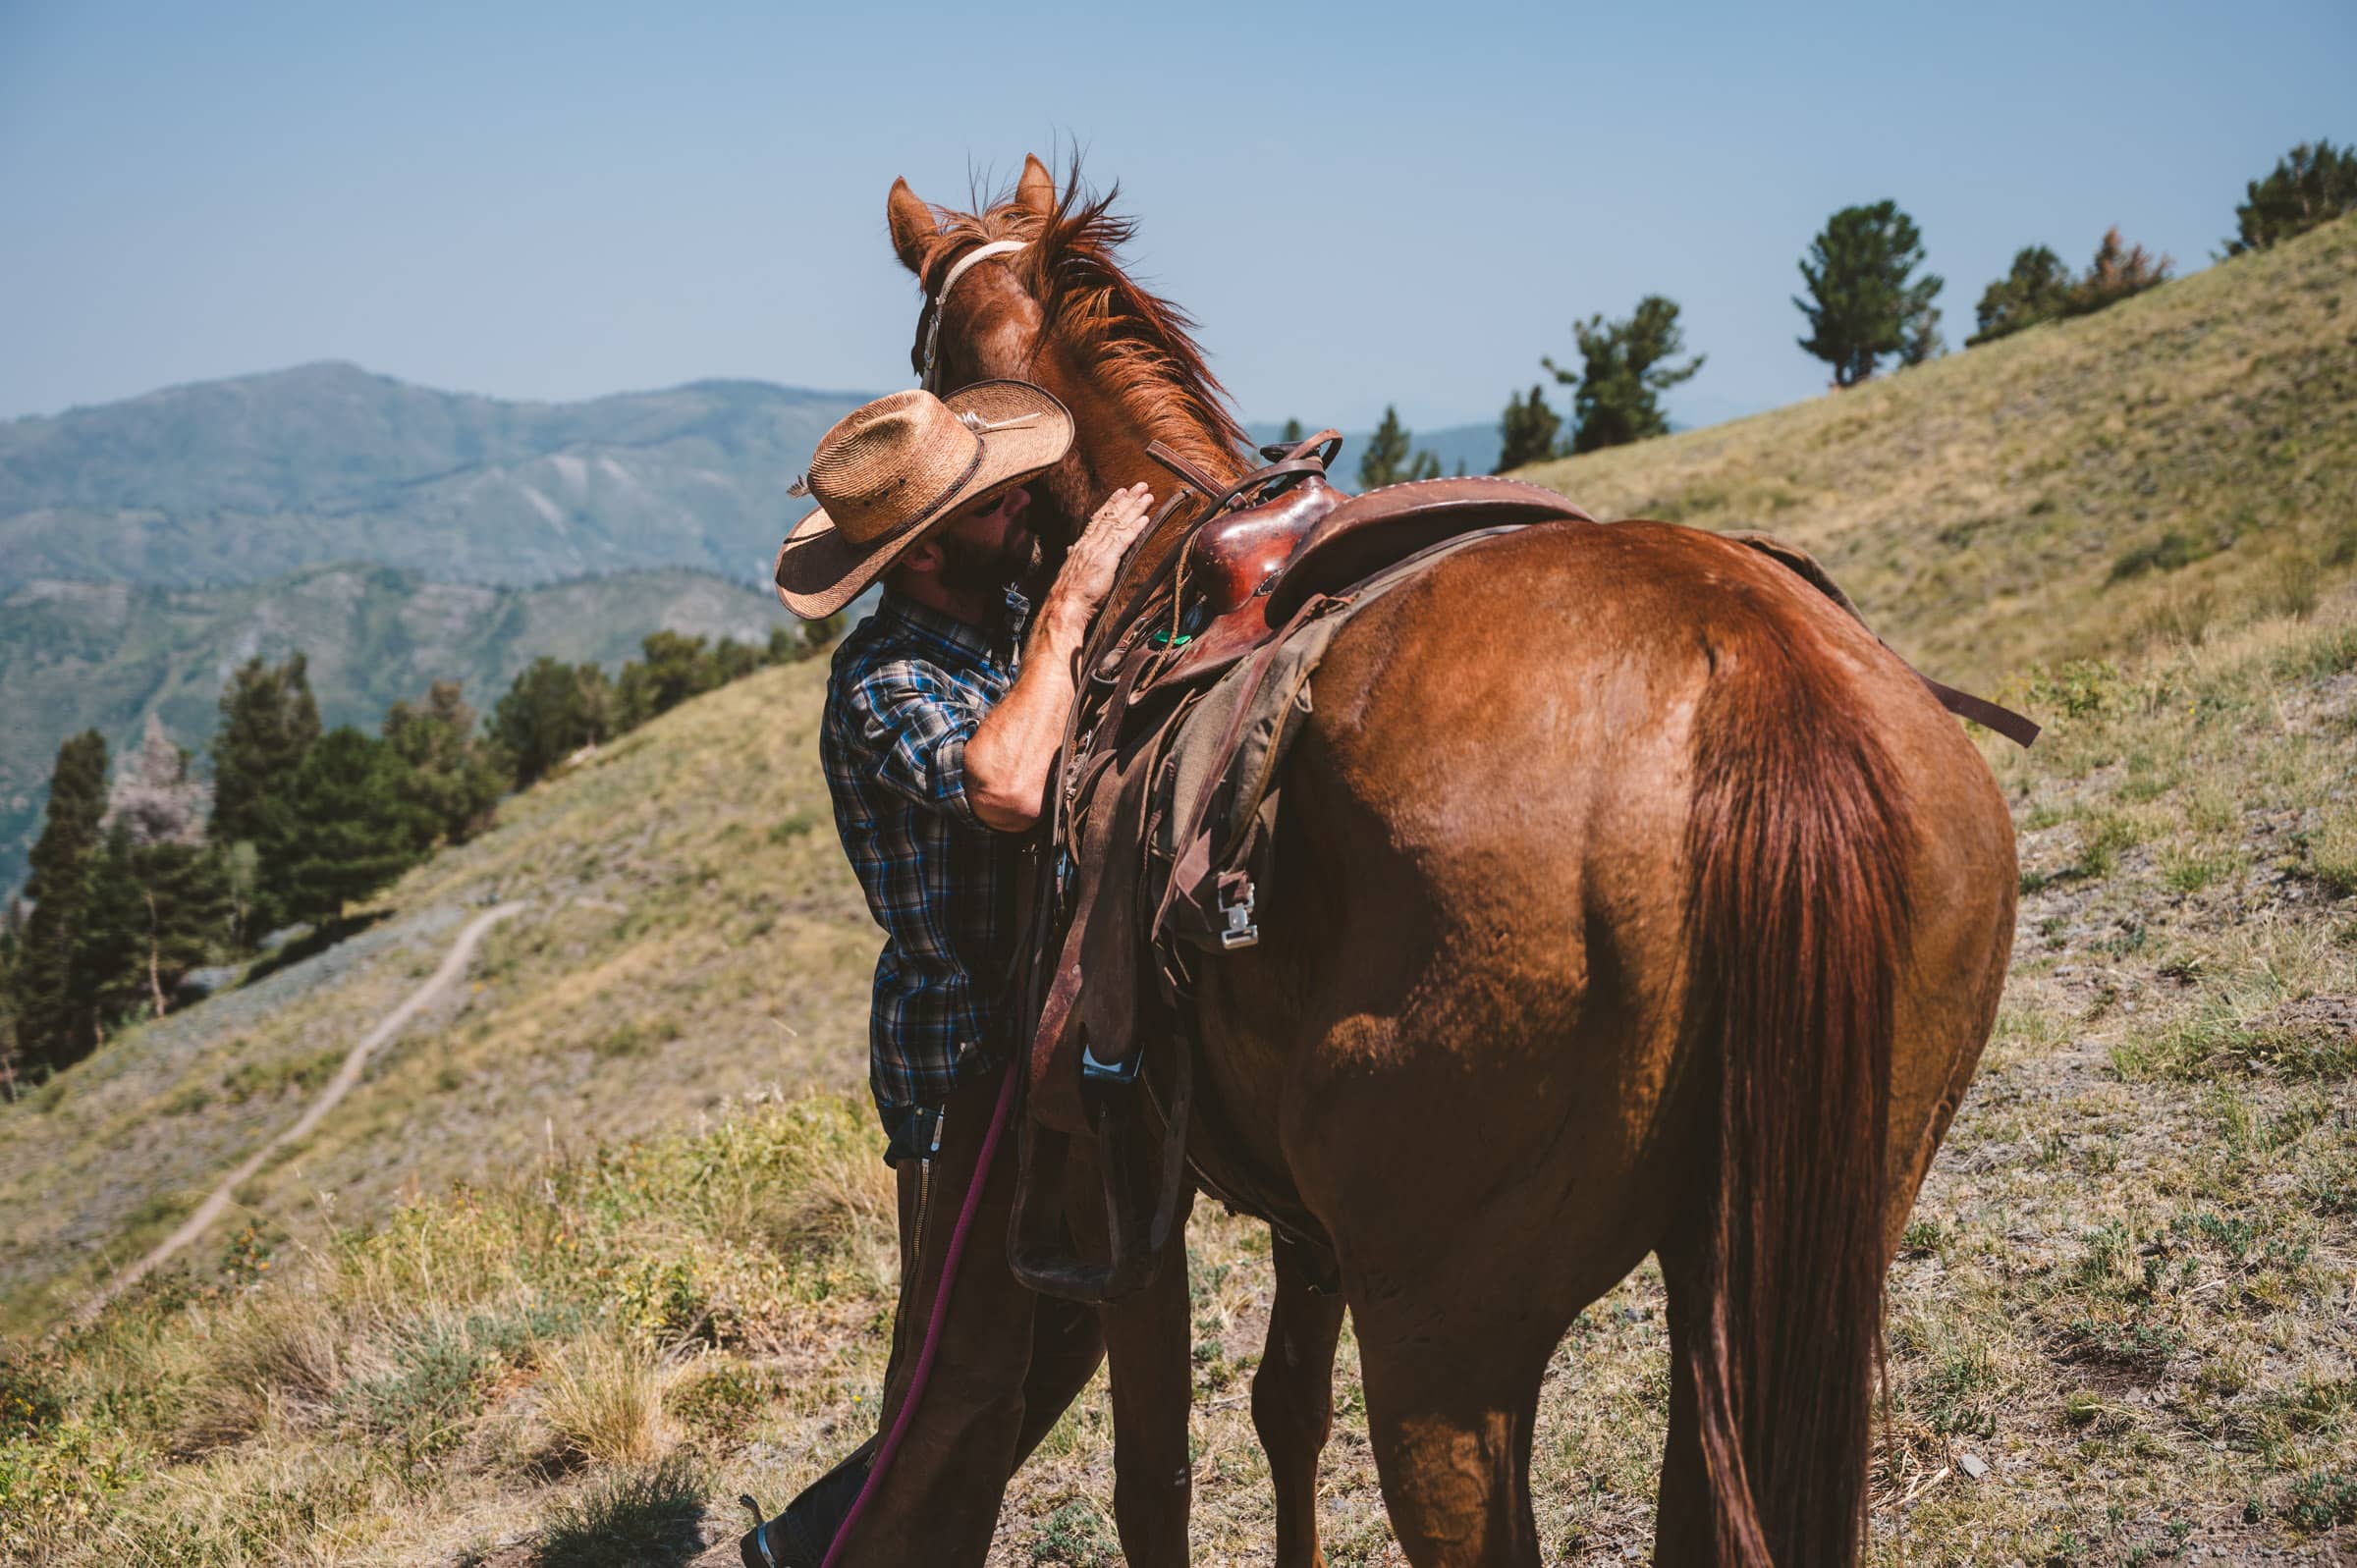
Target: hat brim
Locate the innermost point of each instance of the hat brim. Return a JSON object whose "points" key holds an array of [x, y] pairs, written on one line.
{"points": [[820, 569]]}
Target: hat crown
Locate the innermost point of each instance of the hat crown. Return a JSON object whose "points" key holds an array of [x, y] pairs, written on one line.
{"points": [[890, 463]]}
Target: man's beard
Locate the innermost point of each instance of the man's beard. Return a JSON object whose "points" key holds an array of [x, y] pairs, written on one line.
{"points": [[971, 567]]}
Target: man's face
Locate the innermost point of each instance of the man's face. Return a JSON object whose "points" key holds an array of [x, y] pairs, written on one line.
{"points": [[987, 548]]}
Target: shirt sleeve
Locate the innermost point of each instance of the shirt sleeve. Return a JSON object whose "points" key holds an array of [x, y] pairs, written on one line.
{"points": [[914, 723]]}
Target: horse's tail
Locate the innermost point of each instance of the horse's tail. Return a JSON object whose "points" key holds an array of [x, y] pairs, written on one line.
{"points": [[1795, 924]]}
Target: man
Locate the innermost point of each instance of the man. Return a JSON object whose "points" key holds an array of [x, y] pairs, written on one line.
{"points": [[937, 742]]}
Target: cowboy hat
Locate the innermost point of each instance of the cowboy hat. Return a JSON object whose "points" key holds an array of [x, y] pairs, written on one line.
{"points": [[889, 472]]}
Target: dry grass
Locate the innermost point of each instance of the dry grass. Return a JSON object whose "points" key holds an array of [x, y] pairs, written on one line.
{"points": [[603, 1400]]}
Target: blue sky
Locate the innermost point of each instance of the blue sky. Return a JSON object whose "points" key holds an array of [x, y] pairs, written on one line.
{"points": [[1363, 205]]}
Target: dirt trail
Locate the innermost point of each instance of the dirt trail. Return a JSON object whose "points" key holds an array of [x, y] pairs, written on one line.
{"points": [[454, 964]]}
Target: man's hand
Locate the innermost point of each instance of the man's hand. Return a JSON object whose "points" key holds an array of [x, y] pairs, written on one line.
{"points": [[1096, 555], [1008, 757]]}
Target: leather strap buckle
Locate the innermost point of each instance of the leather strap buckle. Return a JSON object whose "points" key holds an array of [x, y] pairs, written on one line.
{"points": [[1236, 926]]}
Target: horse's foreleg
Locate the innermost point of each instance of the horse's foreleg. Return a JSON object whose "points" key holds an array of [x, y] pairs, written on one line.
{"points": [[1292, 1402], [1150, 1365]]}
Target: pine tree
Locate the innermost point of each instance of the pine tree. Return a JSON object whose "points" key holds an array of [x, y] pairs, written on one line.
{"points": [[2312, 184], [551, 711], [2036, 289], [456, 776], [1624, 369], [56, 1024], [1293, 435], [1527, 430], [351, 827], [269, 723], [2039, 287], [11, 947], [793, 644], [1864, 304], [673, 667], [1387, 460]]}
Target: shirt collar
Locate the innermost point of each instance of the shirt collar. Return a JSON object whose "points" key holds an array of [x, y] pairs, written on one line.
{"points": [[948, 632]]}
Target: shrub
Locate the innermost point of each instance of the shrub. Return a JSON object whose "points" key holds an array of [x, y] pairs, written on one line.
{"points": [[624, 1520]]}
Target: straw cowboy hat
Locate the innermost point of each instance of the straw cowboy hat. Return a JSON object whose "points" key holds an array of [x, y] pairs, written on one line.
{"points": [[891, 471]]}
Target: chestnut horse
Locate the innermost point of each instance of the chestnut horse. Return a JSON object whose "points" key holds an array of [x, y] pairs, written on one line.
{"points": [[1629, 897]]}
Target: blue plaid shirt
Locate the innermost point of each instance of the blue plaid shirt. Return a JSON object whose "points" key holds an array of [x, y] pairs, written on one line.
{"points": [[906, 690]]}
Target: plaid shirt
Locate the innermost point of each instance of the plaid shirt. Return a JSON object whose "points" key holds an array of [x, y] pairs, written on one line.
{"points": [[906, 690]]}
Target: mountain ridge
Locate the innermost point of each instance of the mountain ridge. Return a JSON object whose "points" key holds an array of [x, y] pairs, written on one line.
{"points": [[244, 479]]}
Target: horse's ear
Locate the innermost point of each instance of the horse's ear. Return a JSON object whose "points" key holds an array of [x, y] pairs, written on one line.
{"points": [[912, 225], [1035, 191]]}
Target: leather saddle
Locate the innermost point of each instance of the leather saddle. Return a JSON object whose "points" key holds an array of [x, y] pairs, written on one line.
{"points": [[1165, 793]]}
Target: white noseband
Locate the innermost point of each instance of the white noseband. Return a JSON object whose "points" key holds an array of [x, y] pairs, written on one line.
{"points": [[997, 248]]}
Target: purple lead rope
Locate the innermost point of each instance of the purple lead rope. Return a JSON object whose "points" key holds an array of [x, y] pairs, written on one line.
{"points": [[933, 1325]]}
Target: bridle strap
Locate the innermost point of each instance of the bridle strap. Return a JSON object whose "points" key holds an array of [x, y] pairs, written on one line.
{"points": [[997, 248]]}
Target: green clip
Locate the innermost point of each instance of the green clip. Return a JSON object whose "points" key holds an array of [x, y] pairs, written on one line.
{"points": [[1163, 640]]}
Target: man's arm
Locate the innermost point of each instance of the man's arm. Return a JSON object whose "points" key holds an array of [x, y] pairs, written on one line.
{"points": [[1008, 757]]}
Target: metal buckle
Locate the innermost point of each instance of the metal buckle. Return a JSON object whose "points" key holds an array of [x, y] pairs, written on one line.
{"points": [[1236, 911]]}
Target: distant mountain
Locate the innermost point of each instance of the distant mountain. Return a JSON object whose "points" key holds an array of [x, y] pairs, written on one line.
{"points": [[1475, 445], [245, 480], [76, 654]]}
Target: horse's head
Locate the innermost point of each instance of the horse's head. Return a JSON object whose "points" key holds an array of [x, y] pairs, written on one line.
{"points": [[1030, 288]]}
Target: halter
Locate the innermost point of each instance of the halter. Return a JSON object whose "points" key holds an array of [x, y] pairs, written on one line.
{"points": [[997, 248]]}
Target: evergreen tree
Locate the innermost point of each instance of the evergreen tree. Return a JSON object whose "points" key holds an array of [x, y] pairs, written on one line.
{"points": [[1293, 435], [1527, 430], [110, 951], [793, 644], [456, 775], [673, 668], [1864, 301], [2036, 289], [1387, 460], [2039, 287], [11, 945], [733, 660], [553, 710], [56, 1024], [269, 723], [2312, 184], [1623, 370], [352, 826]]}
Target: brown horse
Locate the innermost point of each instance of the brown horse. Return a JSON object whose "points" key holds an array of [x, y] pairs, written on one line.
{"points": [[1629, 897]]}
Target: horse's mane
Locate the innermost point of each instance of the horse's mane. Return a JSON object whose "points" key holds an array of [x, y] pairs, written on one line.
{"points": [[1140, 346]]}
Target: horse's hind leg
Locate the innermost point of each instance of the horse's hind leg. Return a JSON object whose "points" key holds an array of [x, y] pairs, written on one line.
{"points": [[1451, 1395], [1292, 1402]]}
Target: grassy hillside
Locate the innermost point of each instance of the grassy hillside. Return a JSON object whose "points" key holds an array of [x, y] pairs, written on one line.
{"points": [[2185, 459], [246, 480], [661, 1277], [695, 933], [74, 655]]}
